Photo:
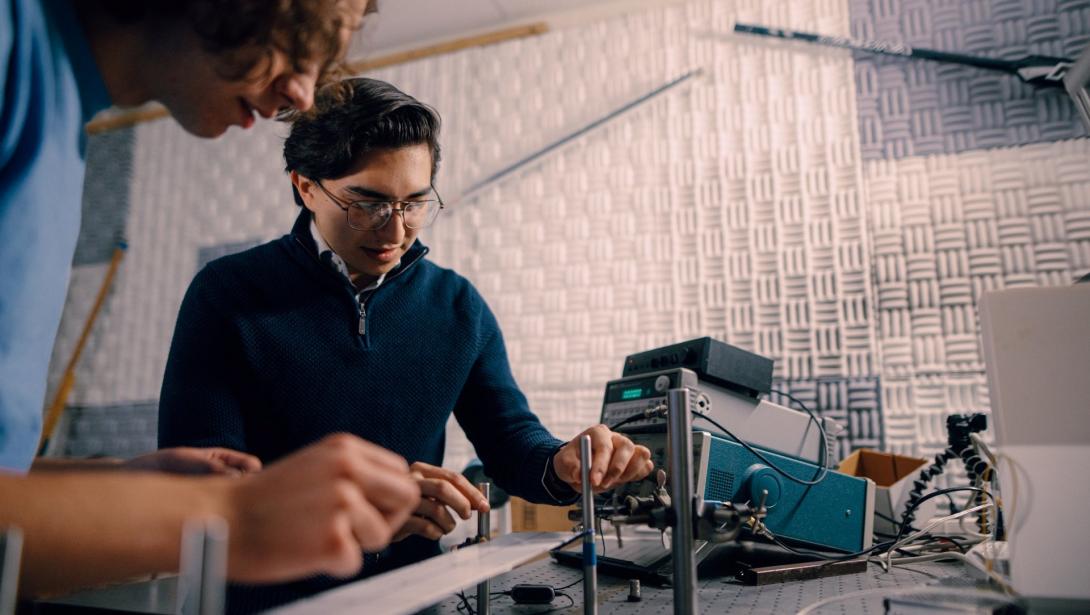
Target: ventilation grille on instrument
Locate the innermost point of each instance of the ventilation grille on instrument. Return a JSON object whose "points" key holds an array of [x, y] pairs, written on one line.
{"points": [[720, 485]]}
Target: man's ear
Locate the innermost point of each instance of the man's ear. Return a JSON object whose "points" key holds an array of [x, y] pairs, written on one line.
{"points": [[304, 189]]}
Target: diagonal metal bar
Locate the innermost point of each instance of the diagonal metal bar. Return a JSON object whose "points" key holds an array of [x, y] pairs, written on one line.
{"points": [[555, 146]]}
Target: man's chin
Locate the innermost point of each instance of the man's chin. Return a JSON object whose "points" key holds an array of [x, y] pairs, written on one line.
{"points": [[378, 271], [372, 270], [212, 132], [202, 128]]}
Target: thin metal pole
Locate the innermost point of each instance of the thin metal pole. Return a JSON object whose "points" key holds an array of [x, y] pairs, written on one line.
{"points": [[202, 584], [680, 437], [11, 552], [484, 532], [480, 186], [1044, 71], [590, 555]]}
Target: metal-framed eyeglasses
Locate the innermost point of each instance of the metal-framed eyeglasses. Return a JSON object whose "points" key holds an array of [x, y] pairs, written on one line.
{"points": [[371, 215]]}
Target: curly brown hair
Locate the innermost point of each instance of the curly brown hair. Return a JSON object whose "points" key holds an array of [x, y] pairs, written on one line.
{"points": [[245, 32]]}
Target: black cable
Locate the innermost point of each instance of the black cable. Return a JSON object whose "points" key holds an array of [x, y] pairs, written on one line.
{"points": [[887, 518], [830, 558], [464, 604], [556, 591], [571, 603], [818, 476], [882, 546], [959, 430], [953, 504], [625, 421], [798, 402], [658, 411], [975, 468], [572, 584], [954, 540], [803, 552], [935, 494], [822, 454], [815, 420]]}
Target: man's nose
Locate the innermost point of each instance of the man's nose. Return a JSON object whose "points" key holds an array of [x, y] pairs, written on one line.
{"points": [[297, 89], [394, 230]]}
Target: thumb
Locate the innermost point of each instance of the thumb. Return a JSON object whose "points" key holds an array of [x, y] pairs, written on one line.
{"points": [[215, 465], [567, 468], [243, 462]]}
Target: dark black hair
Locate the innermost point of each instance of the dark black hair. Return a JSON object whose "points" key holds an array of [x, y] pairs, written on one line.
{"points": [[351, 119]]}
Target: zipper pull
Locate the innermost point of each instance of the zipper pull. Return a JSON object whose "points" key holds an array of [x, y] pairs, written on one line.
{"points": [[363, 321]]}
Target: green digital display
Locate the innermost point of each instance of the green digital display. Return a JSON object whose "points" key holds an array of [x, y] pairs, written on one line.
{"points": [[632, 393]]}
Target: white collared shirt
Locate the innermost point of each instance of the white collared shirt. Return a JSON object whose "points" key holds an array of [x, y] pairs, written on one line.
{"points": [[338, 263]]}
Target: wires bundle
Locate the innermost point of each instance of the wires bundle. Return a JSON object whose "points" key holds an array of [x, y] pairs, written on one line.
{"points": [[963, 442]]}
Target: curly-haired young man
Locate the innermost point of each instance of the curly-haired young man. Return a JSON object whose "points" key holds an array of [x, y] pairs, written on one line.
{"points": [[213, 64]]}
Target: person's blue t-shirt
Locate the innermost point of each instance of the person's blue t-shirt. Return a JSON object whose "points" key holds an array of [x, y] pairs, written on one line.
{"points": [[51, 87]]}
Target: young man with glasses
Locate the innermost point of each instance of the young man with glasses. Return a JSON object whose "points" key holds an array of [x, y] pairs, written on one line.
{"points": [[345, 325]]}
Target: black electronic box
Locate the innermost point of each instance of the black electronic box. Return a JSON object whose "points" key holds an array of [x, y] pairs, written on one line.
{"points": [[719, 363]]}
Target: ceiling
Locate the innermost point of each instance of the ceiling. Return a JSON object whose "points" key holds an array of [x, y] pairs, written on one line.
{"points": [[401, 24]]}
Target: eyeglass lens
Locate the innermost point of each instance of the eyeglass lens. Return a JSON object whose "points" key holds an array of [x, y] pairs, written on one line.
{"points": [[375, 215]]}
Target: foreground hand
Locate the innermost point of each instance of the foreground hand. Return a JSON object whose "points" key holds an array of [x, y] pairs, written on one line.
{"points": [[615, 460], [441, 490], [318, 511], [186, 460]]}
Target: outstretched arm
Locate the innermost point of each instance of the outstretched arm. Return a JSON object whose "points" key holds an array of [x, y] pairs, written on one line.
{"points": [[178, 460], [312, 512]]}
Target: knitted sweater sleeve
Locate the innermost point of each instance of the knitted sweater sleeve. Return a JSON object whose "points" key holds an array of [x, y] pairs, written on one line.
{"points": [[513, 444], [200, 402]]}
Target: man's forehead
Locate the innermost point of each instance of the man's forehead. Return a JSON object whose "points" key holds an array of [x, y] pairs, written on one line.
{"points": [[379, 192]]}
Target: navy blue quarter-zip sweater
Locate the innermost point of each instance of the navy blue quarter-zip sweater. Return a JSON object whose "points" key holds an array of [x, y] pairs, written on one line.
{"points": [[271, 352]]}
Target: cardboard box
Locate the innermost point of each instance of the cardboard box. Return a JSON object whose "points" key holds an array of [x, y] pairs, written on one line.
{"points": [[527, 517], [893, 476]]}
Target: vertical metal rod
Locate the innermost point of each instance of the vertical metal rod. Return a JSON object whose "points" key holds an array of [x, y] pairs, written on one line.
{"points": [[590, 555], [202, 584], [11, 553], [680, 437], [484, 532], [214, 579]]}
